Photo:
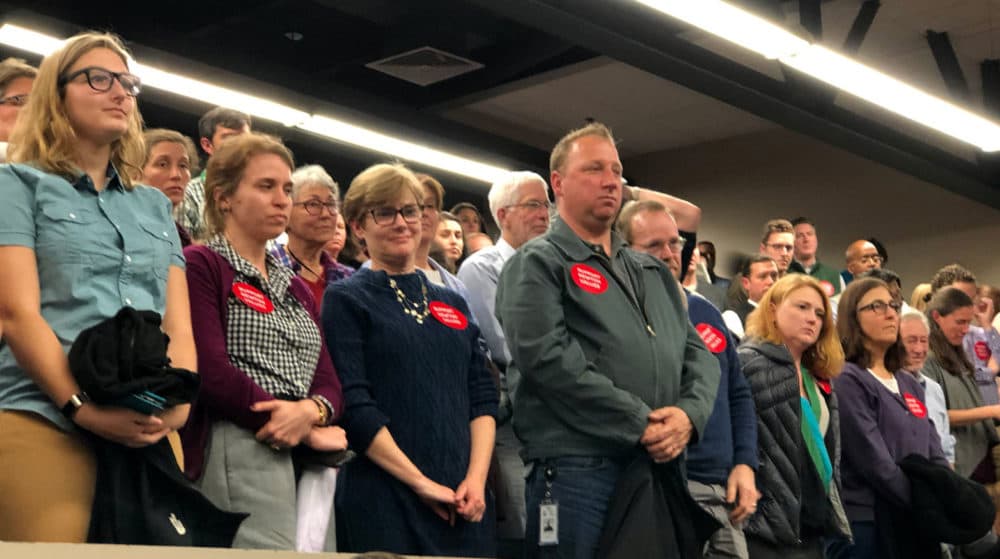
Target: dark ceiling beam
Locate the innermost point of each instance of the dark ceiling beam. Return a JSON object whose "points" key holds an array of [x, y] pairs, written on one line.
{"points": [[811, 17], [630, 34], [948, 66], [862, 23], [990, 71]]}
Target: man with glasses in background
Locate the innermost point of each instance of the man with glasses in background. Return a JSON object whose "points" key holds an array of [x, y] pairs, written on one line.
{"points": [[861, 256], [779, 243], [720, 467], [519, 202], [16, 79]]}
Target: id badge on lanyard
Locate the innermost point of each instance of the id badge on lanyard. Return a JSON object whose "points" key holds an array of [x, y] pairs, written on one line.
{"points": [[548, 512]]}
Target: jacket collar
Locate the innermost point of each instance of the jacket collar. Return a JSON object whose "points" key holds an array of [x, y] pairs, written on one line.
{"points": [[576, 248]]}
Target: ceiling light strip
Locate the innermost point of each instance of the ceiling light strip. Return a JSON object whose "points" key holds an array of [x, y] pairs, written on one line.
{"points": [[326, 127], [774, 42]]}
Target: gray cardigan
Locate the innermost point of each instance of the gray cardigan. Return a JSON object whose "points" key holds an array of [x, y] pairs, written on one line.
{"points": [[973, 441]]}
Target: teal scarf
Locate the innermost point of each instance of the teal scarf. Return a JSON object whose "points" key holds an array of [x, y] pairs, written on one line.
{"points": [[810, 430]]}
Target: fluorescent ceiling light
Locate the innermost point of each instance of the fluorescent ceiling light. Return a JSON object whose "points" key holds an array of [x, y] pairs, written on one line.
{"points": [[901, 98], [732, 24], [216, 95], [765, 38], [330, 128], [356, 135]]}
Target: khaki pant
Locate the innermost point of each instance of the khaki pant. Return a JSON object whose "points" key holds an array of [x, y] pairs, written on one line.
{"points": [[46, 481]]}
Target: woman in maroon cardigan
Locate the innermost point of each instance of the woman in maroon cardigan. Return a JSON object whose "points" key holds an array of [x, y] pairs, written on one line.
{"points": [[269, 384]]}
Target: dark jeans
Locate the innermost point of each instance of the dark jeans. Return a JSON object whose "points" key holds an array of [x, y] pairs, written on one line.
{"points": [[865, 541], [583, 487]]}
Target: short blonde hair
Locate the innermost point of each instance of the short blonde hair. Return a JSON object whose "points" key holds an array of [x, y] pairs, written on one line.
{"points": [[43, 135], [378, 185], [226, 167], [155, 136], [558, 158], [825, 358], [14, 68], [435, 185]]}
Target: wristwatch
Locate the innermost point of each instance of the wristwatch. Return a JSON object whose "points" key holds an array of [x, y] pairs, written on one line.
{"points": [[73, 405]]}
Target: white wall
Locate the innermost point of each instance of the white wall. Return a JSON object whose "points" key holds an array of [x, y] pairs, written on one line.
{"points": [[741, 182]]}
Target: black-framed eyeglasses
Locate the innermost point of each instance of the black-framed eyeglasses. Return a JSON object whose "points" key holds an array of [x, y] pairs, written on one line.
{"points": [[532, 205], [386, 215], [881, 307], [100, 79], [873, 258], [315, 207], [15, 100]]}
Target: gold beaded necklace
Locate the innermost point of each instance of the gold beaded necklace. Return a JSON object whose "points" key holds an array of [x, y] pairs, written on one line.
{"points": [[409, 307]]}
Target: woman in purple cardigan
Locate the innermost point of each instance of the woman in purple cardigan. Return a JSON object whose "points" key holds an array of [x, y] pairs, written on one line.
{"points": [[883, 419], [270, 385]]}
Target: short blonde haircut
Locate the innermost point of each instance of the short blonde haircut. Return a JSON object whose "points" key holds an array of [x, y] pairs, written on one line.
{"points": [[558, 158], [43, 136], [226, 167], [435, 185], [825, 358], [12, 69], [155, 136], [378, 185]]}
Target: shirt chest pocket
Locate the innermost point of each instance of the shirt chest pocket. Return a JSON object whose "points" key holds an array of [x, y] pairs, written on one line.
{"points": [[154, 247], [67, 234]]}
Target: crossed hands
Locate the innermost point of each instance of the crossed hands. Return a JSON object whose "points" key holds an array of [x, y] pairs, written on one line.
{"points": [[667, 433], [468, 501]]}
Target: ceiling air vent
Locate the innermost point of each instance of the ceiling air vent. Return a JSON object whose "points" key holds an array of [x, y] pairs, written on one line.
{"points": [[424, 66]]}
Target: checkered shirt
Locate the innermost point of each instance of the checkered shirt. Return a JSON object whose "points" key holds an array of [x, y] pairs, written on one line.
{"points": [[190, 213], [279, 350]]}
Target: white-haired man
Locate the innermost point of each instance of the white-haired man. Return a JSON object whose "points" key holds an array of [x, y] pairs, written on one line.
{"points": [[520, 205]]}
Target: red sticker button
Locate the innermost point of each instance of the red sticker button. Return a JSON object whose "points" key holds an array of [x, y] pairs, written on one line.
{"points": [[588, 279], [916, 407], [824, 385], [827, 287], [252, 297], [982, 351], [714, 340], [448, 315]]}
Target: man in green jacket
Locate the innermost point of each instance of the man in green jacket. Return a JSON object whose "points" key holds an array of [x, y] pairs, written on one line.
{"points": [[605, 363], [806, 261]]}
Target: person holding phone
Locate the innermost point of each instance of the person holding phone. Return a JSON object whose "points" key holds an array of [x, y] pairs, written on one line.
{"points": [[79, 240]]}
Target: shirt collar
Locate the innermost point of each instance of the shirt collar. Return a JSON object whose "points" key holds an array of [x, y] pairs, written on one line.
{"points": [[279, 276], [112, 180], [504, 249]]}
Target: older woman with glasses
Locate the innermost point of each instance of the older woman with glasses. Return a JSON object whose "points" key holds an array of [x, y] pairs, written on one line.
{"points": [[79, 241], [313, 224], [883, 419], [420, 401]]}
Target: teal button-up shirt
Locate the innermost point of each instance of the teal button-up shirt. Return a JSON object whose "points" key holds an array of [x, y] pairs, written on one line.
{"points": [[96, 252]]}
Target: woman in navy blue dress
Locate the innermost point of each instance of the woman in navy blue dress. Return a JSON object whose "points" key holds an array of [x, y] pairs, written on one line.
{"points": [[420, 402]]}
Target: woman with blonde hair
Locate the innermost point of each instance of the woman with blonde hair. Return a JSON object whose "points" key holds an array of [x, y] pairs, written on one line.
{"points": [[268, 384], [170, 161], [790, 355], [420, 402], [79, 241], [920, 296]]}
